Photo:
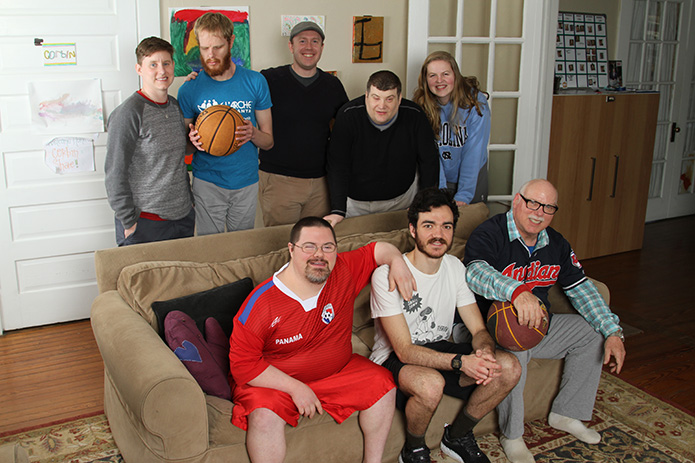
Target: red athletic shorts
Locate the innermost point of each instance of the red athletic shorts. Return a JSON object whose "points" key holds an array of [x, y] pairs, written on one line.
{"points": [[358, 386]]}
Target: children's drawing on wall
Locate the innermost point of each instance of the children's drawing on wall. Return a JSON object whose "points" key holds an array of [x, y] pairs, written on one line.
{"points": [[288, 21], [186, 51], [368, 39], [71, 106], [69, 154]]}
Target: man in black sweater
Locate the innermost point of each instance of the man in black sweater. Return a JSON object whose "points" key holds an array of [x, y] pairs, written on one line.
{"points": [[305, 101], [381, 152]]}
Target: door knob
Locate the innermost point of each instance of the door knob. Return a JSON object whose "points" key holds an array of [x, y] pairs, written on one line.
{"points": [[674, 130]]}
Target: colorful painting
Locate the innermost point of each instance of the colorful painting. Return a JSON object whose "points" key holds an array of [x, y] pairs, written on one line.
{"points": [[368, 39], [186, 51], [71, 106]]}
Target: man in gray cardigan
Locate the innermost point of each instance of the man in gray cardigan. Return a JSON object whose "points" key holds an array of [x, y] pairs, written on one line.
{"points": [[147, 182]]}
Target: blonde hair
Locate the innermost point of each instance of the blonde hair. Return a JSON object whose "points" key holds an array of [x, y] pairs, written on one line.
{"points": [[216, 24], [464, 95]]}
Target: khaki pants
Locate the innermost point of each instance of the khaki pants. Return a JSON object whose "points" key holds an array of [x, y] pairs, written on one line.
{"points": [[285, 200], [356, 208]]}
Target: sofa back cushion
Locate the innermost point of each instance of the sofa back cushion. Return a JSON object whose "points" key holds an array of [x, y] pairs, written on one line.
{"points": [[142, 284]]}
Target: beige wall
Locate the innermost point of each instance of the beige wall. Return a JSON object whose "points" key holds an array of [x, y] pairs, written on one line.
{"points": [[269, 48], [611, 8]]}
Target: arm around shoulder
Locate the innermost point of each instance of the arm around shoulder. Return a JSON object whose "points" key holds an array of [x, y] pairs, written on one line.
{"points": [[399, 273]]}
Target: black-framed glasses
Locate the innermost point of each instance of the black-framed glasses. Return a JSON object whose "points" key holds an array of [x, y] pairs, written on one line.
{"points": [[311, 248], [549, 209]]}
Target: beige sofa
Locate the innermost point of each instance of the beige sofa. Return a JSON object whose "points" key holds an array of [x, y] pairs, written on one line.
{"points": [[157, 411]]}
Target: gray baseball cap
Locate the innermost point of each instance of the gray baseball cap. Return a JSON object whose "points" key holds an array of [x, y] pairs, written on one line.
{"points": [[306, 26]]}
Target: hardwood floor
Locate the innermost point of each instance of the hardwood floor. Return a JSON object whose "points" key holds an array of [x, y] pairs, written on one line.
{"points": [[54, 373], [652, 289], [49, 374]]}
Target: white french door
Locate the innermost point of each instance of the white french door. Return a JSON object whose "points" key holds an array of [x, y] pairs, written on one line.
{"points": [[508, 45], [656, 43]]}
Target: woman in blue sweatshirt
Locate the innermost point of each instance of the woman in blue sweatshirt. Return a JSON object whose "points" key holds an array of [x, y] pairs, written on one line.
{"points": [[460, 117]]}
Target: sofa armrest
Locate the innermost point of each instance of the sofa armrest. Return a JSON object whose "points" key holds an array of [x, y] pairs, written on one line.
{"points": [[162, 400]]}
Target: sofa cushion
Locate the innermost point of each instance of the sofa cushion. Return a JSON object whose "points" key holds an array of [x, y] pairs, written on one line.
{"points": [[185, 339], [222, 303], [140, 285]]}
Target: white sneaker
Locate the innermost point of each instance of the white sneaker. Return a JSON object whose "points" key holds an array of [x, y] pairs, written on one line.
{"points": [[516, 450], [574, 427]]}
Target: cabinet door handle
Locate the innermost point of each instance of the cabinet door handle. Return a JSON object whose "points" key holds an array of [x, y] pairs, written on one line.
{"points": [[591, 185], [615, 175]]}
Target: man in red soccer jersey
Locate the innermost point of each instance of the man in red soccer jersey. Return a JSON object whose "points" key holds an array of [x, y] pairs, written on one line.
{"points": [[291, 352]]}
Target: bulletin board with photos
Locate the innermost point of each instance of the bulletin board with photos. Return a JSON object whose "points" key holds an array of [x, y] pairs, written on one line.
{"points": [[581, 51]]}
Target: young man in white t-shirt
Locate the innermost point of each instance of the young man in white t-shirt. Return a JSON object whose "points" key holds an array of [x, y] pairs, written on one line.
{"points": [[412, 337]]}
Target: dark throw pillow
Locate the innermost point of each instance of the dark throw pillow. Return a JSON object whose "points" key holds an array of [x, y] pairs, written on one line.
{"points": [[203, 362], [221, 303]]}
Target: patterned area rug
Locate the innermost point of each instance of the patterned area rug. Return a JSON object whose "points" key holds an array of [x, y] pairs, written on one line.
{"points": [[635, 427]]}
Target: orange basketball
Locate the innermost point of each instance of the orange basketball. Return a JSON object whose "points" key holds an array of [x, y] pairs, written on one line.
{"points": [[503, 325], [217, 129]]}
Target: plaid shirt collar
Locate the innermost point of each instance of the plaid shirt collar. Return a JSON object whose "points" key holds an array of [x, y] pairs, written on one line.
{"points": [[515, 235]]}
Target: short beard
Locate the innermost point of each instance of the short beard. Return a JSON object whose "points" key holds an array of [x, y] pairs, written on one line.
{"points": [[317, 276], [219, 70], [423, 249]]}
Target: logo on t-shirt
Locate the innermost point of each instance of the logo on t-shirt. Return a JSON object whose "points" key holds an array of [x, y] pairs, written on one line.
{"points": [[328, 314], [413, 305], [575, 261]]}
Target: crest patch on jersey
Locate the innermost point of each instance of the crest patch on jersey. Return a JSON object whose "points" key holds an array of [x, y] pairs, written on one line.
{"points": [[413, 305], [328, 314], [575, 261]]}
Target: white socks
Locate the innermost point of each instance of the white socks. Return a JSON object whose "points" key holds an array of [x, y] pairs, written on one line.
{"points": [[574, 427], [516, 450]]}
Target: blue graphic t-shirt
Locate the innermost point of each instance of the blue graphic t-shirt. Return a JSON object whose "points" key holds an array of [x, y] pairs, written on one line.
{"points": [[247, 92]]}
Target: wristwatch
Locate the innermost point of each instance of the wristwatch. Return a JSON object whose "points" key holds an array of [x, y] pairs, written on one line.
{"points": [[456, 362], [619, 334]]}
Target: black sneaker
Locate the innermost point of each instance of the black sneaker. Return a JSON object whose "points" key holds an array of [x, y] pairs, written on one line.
{"points": [[462, 449], [418, 455]]}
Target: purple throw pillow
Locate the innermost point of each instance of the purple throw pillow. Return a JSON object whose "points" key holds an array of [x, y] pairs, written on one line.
{"points": [[218, 342], [203, 362]]}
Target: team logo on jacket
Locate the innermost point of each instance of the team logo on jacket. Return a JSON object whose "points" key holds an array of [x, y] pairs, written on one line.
{"points": [[534, 274], [575, 261], [328, 314]]}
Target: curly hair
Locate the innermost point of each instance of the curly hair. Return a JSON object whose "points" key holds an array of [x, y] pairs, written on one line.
{"points": [[464, 95], [431, 198]]}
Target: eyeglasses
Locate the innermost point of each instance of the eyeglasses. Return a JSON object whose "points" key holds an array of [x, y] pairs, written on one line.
{"points": [[535, 205], [311, 248]]}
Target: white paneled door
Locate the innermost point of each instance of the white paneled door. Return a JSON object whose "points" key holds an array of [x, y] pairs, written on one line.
{"points": [[51, 224]]}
